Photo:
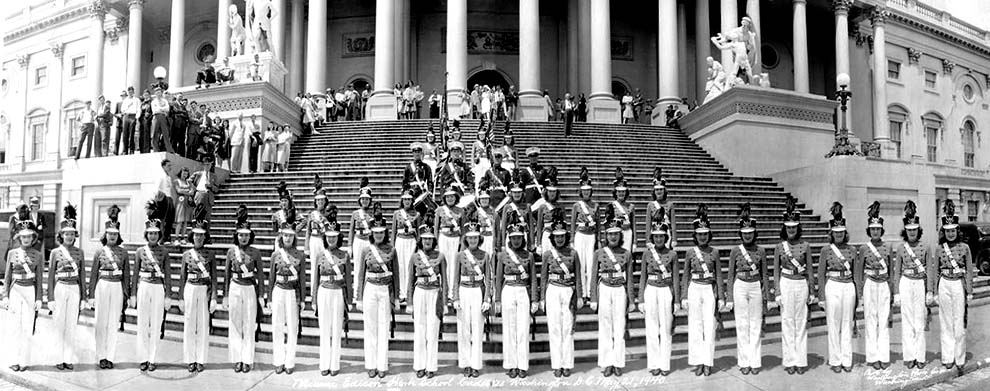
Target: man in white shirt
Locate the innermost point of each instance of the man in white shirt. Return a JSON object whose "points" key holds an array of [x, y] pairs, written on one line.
{"points": [[131, 108], [205, 182], [160, 132], [164, 194], [34, 205], [237, 143], [86, 117]]}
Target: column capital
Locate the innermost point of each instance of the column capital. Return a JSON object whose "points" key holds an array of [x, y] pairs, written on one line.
{"points": [[914, 55], [879, 15], [58, 49], [841, 7], [800, 1], [22, 60], [947, 66], [98, 9], [113, 34], [132, 4]]}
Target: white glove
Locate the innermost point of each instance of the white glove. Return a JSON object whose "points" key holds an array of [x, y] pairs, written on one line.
{"points": [[897, 300], [777, 300], [91, 304], [729, 306], [496, 308], [132, 302], [929, 299], [534, 308], [213, 305], [5, 303], [83, 304], [822, 304], [168, 303], [182, 305], [812, 299], [543, 305], [222, 304], [359, 306], [580, 302], [51, 306], [969, 297], [261, 301], [485, 307], [409, 309], [677, 307], [594, 306], [721, 305], [457, 304], [37, 305], [684, 304]]}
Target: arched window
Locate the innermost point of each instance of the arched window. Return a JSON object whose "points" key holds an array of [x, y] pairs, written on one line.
{"points": [[897, 117], [932, 123], [969, 143]]}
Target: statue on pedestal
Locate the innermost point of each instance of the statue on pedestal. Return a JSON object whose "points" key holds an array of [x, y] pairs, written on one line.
{"points": [[716, 80], [259, 18], [237, 32], [741, 42]]}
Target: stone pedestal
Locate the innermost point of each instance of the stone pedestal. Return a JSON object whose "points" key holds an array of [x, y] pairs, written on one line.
{"points": [[532, 108], [271, 70], [257, 98], [382, 107], [604, 110], [129, 181], [761, 131]]}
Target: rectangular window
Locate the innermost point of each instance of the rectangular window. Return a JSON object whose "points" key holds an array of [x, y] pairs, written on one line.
{"points": [[969, 151], [930, 78], [78, 66], [895, 137], [972, 210], [41, 76], [931, 137], [37, 141], [5, 198], [893, 70]]}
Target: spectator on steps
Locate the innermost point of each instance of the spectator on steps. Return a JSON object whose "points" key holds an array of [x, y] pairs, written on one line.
{"points": [[86, 117], [184, 205], [206, 185], [254, 133], [270, 140], [283, 142]]}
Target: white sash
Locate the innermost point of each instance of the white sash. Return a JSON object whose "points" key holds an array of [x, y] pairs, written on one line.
{"points": [[873, 249], [704, 264], [473, 261], [952, 258], [484, 215], [201, 264], [65, 253], [449, 214], [363, 217], [154, 261], [622, 211], [516, 261], [656, 256], [334, 265], [378, 257], [752, 265], [453, 174], [419, 182], [240, 260], [842, 258], [109, 255], [505, 201], [285, 258], [787, 251], [22, 258], [536, 181], [560, 262], [611, 257], [405, 217], [426, 260], [917, 263]]}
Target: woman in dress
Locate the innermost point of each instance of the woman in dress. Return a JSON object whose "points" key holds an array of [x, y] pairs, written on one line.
{"points": [[659, 296], [107, 281], [269, 151], [428, 285], [551, 108], [875, 260], [332, 296], [952, 274], [67, 276], [838, 297], [584, 230], [184, 203], [405, 221], [627, 108], [283, 146], [151, 285], [375, 295], [745, 291], [701, 287], [285, 298], [243, 287], [611, 275], [198, 293], [910, 288], [472, 297], [795, 290], [486, 103], [22, 295], [465, 106], [559, 293], [430, 149]]}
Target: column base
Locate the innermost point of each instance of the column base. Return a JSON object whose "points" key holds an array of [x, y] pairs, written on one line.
{"points": [[659, 114], [604, 110], [454, 105], [381, 107], [532, 108]]}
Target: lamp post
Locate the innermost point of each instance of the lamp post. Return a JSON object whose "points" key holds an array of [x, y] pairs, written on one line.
{"points": [[842, 146], [160, 74]]}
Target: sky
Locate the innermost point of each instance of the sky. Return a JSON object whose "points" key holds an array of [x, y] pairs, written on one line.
{"points": [[975, 12]]}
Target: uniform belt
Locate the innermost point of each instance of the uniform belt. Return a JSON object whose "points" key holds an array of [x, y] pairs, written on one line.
{"points": [[286, 278], [472, 278], [66, 274], [360, 234], [695, 276], [748, 276], [839, 274], [515, 277], [406, 236], [449, 230], [560, 277], [148, 275], [951, 276], [914, 275], [329, 278], [613, 275], [787, 271], [111, 273], [532, 186], [243, 275], [876, 272], [656, 277], [378, 275], [427, 279], [24, 277]]}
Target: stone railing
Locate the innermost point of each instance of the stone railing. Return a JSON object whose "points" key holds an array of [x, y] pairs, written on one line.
{"points": [[870, 149], [919, 14]]}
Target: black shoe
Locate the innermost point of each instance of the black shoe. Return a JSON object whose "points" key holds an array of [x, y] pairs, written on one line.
{"points": [[791, 370], [109, 364], [875, 365], [279, 369], [245, 368], [847, 369], [949, 365], [699, 370], [68, 366], [475, 373], [237, 367], [151, 367], [909, 364], [917, 364], [884, 365], [60, 366], [708, 370], [522, 374], [837, 368], [192, 367], [511, 373], [744, 370], [199, 367], [288, 371], [558, 373], [334, 373], [430, 374], [15, 368], [372, 373], [466, 372], [664, 373], [567, 372], [103, 363], [754, 371], [801, 370], [143, 367], [381, 374], [420, 373], [324, 372], [608, 371], [617, 371]]}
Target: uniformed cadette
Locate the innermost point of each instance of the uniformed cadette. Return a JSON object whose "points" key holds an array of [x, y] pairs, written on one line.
{"points": [[659, 296], [472, 297], [875, 258], [448, 224], [952, 275], [701, 287], [911, 289], [624, 210], [107, 282], [560, 287], [376, 294], [243, 288], [515, 281], [584, 230], [405, 220], [198, 293], [285, 287], [612, 271], [22, 280], [360, 224], [837, 298], [332, 297], [746, 288], [66, 275], [428, 284], [151, 284], [794, 288]]}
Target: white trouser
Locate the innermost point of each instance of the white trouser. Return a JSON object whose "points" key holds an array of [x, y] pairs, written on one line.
{"points": [[748, 298], [404, 250], [285, 326], [913, 319], [243, 306], [611, 326], [701, 324], [426, 329], [357, 248], [560, 324], [21, 302], [515, 327], [448, 246], [627, 240], [488, 244], [584, 245], [469, 328], [377, 309], [331, 315], [876, 309], [109, 301], [315, 247], [150, 312], [545, 244], [196, 333], [951, 305], [794, 322], [65, 316], [839, 312], [658, 307]]}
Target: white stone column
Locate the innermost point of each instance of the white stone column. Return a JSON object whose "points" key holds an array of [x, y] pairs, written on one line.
{"points": [[316, 47], [602, 106], [730, 19], [667, 55], [223, 29], [753, 12], [881, 131], [702, 47], [176, 44], [841, 8], [800, 37], [683, 81], [277, 37], [532, 105], [296, 48], [133, 45], [572, 47], [381, 105], [584, 47], [98, 10], [456, 54], [400, 53]]}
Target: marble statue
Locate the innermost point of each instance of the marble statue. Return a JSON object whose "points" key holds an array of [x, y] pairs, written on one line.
{"points": [[259, 18], [716, 80], [238, 36], [741, 43]]}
